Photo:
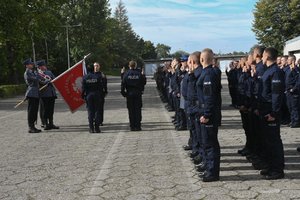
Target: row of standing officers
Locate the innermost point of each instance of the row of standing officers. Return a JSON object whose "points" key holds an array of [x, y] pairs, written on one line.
{"points": [[200, 90], [192, 88]]}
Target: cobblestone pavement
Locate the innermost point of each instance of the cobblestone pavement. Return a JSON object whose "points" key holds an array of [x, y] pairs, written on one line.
{"points": [[71, 163]]}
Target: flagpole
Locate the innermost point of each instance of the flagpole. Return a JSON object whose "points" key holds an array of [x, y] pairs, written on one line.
{"points": [[85, 57]]}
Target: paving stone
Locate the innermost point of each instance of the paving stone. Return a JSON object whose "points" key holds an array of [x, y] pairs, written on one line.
{"points": [[243, 194]]}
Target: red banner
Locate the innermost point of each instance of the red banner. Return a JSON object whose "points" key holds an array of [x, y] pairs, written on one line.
{"points": [[69, 85]]}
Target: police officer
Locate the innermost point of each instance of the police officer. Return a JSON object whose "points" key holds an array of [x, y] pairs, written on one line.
{"points": [[292, 92], [48, 96], [104, 92], [207, 85], [92, 88], [285, 113], [272, 94], [132, 88], [232, 82], [195, 70], [216, 67], [181, 113], [32, 94]]}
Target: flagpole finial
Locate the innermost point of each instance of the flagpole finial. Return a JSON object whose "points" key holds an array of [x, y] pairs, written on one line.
{"points": [[86, 56]]}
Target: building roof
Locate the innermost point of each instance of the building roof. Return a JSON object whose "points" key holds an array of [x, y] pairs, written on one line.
{"points": [[293, 40]]}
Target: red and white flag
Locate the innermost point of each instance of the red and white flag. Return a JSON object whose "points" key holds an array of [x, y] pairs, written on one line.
{"points": [[69, 85]]}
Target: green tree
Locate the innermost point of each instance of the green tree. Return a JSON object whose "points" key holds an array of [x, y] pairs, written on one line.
{"points": [[162, 50], [148, 50], [276, 21], [179, 54]]}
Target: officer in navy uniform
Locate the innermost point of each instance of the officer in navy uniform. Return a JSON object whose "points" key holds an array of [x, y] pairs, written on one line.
{"points": [[132, 88], [184, 94], [181, 113], [92, 88], [104, 92], [218, 71], [292, 92], [208, 86], [195, 70], [48, 96], [32, 80], [272, 95]]}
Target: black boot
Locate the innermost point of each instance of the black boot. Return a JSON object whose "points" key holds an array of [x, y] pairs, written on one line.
{"points": [[32, 129], [97, 129], [52, 125]]}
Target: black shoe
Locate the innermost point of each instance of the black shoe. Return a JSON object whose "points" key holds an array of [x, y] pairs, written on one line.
{"points": [[180, 128], [264, 172], [202, 174], [91, 130], [97, 129], [38, 130], [197, 160], [260, 165], [298, 149], [187, 147], [245, 152], [54, 127], [101, 124], [47, 127], [201, 167], [138, 129], [43, 125], [274, 176], [240, 151], [210, 178], [193, 154], [33, 130], [295, 125]]}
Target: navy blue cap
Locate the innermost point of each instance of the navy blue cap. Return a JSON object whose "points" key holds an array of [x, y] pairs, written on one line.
{"points": [[184, 58], [28, 62], [41, 63]]}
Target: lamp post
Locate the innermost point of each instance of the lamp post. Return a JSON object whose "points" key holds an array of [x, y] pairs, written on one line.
{"points": [[67, 26]]}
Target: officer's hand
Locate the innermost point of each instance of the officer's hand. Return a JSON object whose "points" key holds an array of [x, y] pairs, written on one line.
{"points": [[256, 112], [243, 108], [269, 118], [124, 94], [178, 94], [203, 120]]}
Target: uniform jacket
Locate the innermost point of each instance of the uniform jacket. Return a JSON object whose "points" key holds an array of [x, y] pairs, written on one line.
{"points": [[32, 80], [272, 90], [92, 84], [133, 83], [207, 87]]}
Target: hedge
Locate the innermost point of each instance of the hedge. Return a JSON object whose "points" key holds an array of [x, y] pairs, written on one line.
{"points": [[12, 90]]}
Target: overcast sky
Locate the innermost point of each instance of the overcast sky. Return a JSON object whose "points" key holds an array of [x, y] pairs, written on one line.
{"points": [[190, 25]]}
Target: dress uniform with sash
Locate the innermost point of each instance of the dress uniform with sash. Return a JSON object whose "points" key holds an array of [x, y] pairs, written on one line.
{"points": [[48, 96], [32, 80]]}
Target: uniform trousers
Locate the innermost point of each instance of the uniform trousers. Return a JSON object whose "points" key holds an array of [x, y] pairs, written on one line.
{"points": [[32, 110]]}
